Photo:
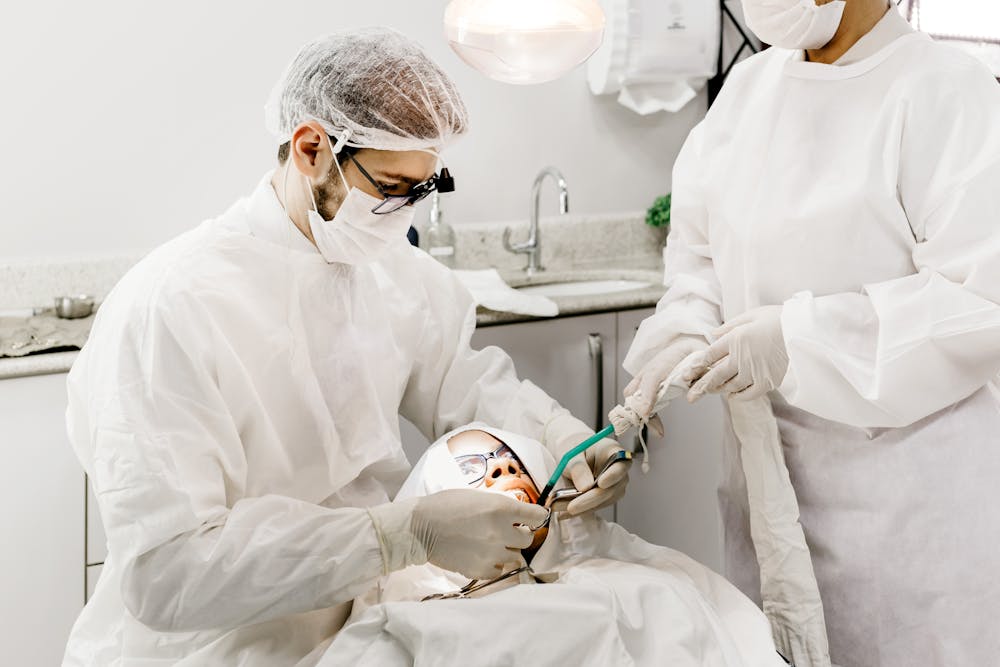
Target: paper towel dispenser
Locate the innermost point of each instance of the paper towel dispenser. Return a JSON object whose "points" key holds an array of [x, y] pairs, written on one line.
{"points": [[657, 54]]}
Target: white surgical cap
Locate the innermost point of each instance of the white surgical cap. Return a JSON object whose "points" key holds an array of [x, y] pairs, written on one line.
{"points": [[369, 88]]}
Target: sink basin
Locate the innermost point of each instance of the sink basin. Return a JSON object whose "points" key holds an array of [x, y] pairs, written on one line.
{"points": [[583, 287]]}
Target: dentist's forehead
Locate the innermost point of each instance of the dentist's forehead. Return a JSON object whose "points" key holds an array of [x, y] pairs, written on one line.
{"points": [[472, 442]]}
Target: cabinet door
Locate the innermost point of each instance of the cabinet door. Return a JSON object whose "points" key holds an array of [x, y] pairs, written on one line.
{"points": [[42, 514], [676, 504]]}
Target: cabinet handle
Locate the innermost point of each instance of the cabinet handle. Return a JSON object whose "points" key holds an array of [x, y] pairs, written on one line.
{"points": [[596, 344]]}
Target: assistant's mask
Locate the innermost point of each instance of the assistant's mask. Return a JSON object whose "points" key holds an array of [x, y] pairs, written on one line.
{"points": [[794, 24], [355, 235]]}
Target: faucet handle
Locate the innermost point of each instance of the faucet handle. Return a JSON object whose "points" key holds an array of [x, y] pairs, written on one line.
{"points": [[515, 247]]}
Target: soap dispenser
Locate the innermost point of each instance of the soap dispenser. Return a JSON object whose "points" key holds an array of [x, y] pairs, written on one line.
{"points": [[439, 239]]}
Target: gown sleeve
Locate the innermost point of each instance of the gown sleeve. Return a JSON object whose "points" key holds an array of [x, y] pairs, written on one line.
{"points": [[903, 349], [692, 304], [452, 384], [167, 465]]}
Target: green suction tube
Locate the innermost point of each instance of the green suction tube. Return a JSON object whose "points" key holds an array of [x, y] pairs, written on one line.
{"points": [[564, 461]]}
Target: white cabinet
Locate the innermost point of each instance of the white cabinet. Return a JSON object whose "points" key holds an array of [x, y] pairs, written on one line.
{"points": [[42, 517], [676, 504]]}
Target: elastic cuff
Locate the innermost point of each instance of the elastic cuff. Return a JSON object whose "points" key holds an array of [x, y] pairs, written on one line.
{"points": [[790, 316], [397, 544]]}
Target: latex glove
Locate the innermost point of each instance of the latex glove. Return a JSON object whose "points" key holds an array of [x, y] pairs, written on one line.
{"points": [[477, 534], [646, 384], [610, 485], [747, 360], [608, 488]]}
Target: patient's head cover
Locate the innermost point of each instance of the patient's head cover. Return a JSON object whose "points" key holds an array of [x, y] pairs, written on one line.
{"points": [[481, 457]]}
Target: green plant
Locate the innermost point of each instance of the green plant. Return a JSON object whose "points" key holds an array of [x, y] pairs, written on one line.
{"points": [[658, 214]]}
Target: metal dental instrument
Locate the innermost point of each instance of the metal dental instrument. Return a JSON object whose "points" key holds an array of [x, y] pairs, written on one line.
{"points": [[562, 497], [476, 585]]}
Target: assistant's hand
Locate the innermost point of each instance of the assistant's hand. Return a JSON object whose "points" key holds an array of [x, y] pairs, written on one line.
{"points": [[471, 532], [645, 386], [747, 360]]}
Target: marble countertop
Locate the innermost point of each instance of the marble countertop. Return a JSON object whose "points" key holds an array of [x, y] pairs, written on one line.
{"points": [[576, 247], [60, 362], [36, 364]]}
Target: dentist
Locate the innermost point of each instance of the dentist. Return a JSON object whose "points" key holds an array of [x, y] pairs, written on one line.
{"points": [[236, 406]]}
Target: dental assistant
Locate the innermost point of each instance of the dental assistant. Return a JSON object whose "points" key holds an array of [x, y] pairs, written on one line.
{"points": [[236, 406], [836, 247]]}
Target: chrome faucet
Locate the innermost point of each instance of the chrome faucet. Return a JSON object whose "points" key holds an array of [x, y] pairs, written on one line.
{"points": [[533, 246]]}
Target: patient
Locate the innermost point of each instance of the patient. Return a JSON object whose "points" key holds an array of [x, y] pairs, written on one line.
{"points": [[594, 594]]}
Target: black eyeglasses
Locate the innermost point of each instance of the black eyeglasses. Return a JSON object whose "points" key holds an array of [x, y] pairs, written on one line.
{"points": [[473, 466], [442, 182]]}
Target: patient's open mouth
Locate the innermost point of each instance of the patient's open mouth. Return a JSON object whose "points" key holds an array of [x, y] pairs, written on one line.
{"points": [[519, 494]]}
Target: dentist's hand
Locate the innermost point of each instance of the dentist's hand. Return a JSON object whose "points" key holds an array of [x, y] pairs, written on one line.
{"points": [[610, 485], [471, 532], [747, 360]]}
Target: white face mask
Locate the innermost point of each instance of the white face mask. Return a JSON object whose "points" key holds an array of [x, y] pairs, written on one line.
{"points": [[356, 235], [794, 24]]}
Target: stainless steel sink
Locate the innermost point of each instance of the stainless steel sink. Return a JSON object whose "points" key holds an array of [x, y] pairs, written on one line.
{"points": [[584, 287]]}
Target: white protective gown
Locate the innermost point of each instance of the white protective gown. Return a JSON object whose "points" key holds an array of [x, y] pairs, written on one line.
{"points": [[236, 409], [865, 197]]}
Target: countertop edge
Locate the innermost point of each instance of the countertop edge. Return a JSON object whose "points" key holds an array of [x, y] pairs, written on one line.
{"points": [[61, 362], [37, 364]]}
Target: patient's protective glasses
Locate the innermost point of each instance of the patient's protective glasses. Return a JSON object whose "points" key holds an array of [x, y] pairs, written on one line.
{"points": [[442, 182], [473, 466]]}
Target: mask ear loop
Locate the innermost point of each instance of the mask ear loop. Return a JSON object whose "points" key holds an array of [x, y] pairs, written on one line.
{"points": [[336, 148]]}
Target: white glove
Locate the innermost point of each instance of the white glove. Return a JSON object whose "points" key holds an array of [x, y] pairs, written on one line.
{"points": [[748, 358], [566, 432], [471, 532], [645, 386]]}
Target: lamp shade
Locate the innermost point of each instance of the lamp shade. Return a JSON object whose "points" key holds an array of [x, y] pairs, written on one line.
{"points": [[524, 41]]}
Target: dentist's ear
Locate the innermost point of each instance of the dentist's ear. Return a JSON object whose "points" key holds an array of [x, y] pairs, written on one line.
{"points": [[310, 151]]}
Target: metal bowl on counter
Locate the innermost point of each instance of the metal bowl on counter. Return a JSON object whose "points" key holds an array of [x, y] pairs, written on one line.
{"points": [[74, 307]]}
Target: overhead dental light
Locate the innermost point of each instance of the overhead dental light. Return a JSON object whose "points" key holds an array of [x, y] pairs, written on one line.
{"points": [[524, 41]]}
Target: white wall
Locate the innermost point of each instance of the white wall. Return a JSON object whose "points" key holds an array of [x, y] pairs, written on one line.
{"points": [[124, 123]]}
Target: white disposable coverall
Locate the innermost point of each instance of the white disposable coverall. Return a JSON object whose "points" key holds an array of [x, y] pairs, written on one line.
{"points": [[865, 197], [236, 409]]}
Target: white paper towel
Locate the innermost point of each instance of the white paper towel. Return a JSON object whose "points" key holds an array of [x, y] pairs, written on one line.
{"points": [[489, 290]]}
